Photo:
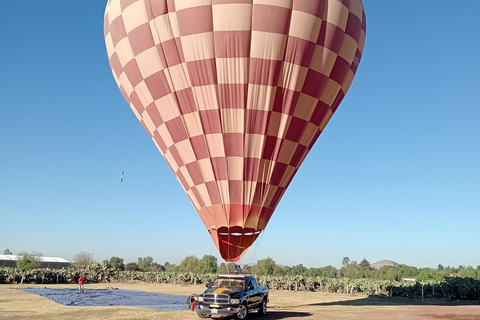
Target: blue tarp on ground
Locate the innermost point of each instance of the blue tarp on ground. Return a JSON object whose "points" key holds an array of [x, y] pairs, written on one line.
{"points": [[111, 297]]}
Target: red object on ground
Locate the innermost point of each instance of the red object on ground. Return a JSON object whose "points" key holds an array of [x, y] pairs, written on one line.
{"points": [[194, 303]]}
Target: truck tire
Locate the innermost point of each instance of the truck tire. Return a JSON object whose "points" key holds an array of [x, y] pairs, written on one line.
{"points": [[263, 307], [242, 312]]}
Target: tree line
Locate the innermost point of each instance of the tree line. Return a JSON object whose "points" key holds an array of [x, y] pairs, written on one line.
{"points": [[363, 270], [268, 267], [208, 264]]}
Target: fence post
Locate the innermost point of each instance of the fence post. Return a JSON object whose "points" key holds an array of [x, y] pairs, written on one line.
{"points": [[57, 278], [422, 292]]}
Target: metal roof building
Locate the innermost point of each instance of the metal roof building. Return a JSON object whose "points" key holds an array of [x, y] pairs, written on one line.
{"points": [[10, 260]]}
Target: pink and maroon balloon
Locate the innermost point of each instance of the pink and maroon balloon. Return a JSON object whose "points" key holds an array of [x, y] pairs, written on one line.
{"points": [[234, 93]]}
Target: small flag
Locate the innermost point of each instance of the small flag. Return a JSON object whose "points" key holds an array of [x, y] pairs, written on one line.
{"points": [[121, 178]]}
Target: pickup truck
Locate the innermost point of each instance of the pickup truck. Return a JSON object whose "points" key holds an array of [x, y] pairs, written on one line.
{"points": [[232, 295]]}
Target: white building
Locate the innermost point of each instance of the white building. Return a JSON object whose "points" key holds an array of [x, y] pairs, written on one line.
{"points": [[10, 260]]}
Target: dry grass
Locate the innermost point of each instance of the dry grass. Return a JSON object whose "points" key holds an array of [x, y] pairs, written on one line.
{"points": [[16, 304]]}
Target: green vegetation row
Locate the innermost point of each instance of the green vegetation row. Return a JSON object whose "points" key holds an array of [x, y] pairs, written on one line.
{"points": [[456, 288], [352, 277], [268, 267]]}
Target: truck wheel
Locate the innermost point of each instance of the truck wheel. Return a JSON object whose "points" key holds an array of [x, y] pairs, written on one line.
{"points": [[201, 315], [242, 312], [263, 307]]}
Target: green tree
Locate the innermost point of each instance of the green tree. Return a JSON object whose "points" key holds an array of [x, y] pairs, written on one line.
{"points": [[398, 273], [7, 251], [247, 269], [365, 265], [171, 267], [426, 274], [345, 262], [29, 261], [208, 264], [325, 272], [328, 272], [389, 273], [313, 272], [407, 271], [298, 270], [281, 271], [145, 263], [440, 267], [264, 267], [468, 273], [116, 263], [450, 271], [226, 268], [350, 269], [190, 264]]}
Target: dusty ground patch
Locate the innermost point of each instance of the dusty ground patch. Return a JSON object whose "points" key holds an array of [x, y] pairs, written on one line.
{"points": [[16, 304]]}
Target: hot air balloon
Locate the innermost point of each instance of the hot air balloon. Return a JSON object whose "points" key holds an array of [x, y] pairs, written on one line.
{"points": [[234, 93]]}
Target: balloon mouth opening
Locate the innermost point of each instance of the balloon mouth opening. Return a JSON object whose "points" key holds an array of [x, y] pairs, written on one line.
{"points": [[233, 242]]}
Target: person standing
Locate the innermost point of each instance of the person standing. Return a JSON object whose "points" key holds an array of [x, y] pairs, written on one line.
{"points": [[80, 284]]}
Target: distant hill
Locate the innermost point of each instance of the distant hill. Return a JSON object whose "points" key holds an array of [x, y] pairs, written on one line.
{"points": [[382, 263]]}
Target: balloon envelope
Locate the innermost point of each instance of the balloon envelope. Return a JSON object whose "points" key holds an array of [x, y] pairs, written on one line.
{"points": [[234, 93]]}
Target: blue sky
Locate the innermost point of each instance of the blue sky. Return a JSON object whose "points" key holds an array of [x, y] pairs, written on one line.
{"points": [[395, 175]]}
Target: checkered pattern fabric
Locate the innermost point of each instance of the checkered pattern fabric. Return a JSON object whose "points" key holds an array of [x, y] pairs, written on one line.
{"points": [[234, 94]]}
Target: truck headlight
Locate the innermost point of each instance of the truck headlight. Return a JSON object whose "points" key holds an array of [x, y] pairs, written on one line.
{"points": [[235, 301], [200, 299]]}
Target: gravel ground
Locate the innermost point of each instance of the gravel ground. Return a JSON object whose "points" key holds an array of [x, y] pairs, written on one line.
{"points": [[17, 304]]}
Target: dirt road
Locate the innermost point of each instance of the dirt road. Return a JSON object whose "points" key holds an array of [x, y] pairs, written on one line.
{"points": [[288, 305]]}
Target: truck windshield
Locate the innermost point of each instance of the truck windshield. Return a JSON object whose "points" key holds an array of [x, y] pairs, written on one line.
{"points": [[229, 283]]}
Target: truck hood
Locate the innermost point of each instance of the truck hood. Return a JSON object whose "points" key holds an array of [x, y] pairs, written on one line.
{"points": [[222, 291]]}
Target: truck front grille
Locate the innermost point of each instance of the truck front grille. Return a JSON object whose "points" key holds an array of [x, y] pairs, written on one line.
{"points": [[214, 298]]}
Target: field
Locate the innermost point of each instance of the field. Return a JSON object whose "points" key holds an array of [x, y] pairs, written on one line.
{"points": [[288, 305]]}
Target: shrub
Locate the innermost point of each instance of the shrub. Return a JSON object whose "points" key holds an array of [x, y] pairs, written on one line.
{"points": [[29, 261]]}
